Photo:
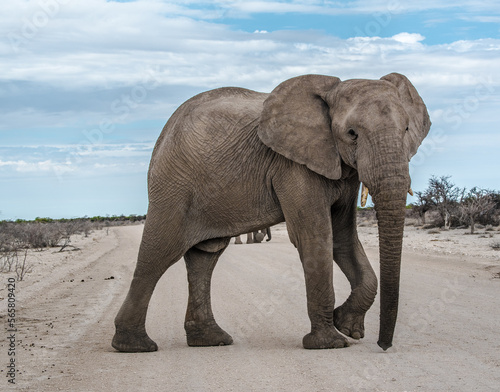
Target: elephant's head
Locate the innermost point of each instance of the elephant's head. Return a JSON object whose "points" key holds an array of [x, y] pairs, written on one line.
{"points": [[373, 126]]}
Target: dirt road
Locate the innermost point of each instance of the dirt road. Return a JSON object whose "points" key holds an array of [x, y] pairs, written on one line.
{"points": [[447, 337]]}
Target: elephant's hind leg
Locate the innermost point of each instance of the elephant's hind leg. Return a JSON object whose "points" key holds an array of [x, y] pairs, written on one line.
{"points": [[130, 335], [152, 263], [201, 328]]}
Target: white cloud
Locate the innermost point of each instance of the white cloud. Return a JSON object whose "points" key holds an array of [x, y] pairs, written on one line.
{"points": [[97, 45], [142, 150], [111, 84], [407, 38], [75, 161], [37, 167], [100, 62], [482, 18], [481, 45], [238, 8]]}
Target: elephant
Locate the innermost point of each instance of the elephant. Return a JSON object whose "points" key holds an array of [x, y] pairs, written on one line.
{"points": [[256, 237], [233, 160]]}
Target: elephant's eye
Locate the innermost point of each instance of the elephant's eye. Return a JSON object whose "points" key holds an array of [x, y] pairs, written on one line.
{"points": [[352, 133], [406, 129]]}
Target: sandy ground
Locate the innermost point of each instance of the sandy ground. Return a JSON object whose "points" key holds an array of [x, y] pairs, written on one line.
{"points": [[447, 337]]}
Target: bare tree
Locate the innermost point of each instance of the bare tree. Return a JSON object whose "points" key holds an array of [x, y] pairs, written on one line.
{"points": [[9, 246], [422, 205], [24, 267], [444, 196], [476, 203], [12, 241], [67, 229]]}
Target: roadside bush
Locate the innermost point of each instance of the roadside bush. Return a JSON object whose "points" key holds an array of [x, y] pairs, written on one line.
{"points": [[38, 235], [19, 236], [9, 237], [10, 247], [46, 232], [443, 204]]}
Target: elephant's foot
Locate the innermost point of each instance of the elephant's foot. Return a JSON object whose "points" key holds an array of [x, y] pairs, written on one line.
{"points": [[133, 342], [327, 338], [349, 323], [206, 334]]}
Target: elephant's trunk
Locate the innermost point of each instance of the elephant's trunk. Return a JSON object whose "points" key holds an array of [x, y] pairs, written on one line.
{"points": [[389, 197]]}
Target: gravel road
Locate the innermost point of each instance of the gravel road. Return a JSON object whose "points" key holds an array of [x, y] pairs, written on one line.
{"points": [[447, 337]]}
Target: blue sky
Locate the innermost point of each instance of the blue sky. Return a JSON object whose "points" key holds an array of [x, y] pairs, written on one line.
{"points": [[86, 87]]}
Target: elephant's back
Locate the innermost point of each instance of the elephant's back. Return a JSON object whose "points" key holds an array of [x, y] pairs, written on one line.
{"points": [[211, 133], [208, 118]]}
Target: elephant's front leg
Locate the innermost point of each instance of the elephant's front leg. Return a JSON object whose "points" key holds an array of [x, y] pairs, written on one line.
{"points": [[305, 202], [317, 260], [348, 253]]}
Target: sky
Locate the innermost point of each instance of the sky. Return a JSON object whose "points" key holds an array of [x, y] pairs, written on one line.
{"points": [[86, 87]]}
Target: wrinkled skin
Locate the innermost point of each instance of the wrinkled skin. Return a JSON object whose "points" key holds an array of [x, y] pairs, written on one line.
{"points": [[232, 161]]}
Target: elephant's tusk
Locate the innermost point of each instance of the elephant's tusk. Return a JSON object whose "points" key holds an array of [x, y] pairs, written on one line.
{"points": [[410, 191], [364, 195]]}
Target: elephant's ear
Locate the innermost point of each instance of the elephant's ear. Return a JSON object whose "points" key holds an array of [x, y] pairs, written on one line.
{"points": [[420, 122], [295, 122]]}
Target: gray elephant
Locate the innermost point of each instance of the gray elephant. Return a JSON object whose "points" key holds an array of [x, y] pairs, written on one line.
{"points": [[232, 160], [256, 237]]}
